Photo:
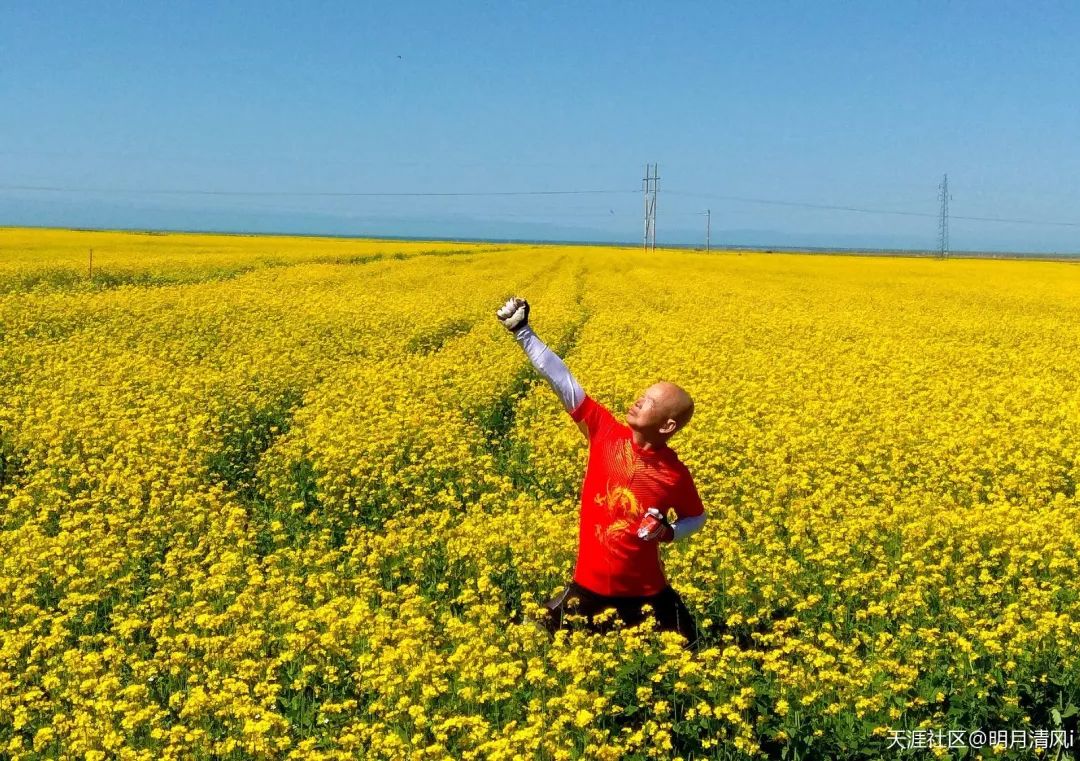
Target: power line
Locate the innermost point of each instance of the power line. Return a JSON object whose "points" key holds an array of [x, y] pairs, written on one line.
{"points": [[305, 194], [349, 194], [865, 210], [802, 205], [1016, 221]]}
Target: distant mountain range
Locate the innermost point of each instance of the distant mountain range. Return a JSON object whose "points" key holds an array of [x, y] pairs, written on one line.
{"points": [[95, 214]]}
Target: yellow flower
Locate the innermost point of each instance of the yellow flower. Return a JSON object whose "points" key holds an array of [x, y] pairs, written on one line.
{"points": [[300, 497]]}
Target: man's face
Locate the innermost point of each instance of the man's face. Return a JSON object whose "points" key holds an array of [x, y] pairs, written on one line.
{"points": [[650, 411]]}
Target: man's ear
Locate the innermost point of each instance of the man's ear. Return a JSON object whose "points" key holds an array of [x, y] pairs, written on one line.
{"points": [[669, 426]]}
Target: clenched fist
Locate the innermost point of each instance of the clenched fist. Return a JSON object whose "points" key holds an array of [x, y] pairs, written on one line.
{"points": [[514, 314], [655, 527]]}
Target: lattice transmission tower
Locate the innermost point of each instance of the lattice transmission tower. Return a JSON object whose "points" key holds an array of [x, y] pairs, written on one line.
{"points": [[943, 221], [650, 184]]}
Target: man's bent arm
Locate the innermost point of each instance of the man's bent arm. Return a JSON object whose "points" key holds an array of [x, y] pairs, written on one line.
{"points": [[551, 368], [684, 527]]}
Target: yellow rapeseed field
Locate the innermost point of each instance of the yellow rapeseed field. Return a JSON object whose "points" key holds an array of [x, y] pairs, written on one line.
{"points": [[267, 497]]}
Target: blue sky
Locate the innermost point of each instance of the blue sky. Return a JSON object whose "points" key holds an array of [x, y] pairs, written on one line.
{"points": [[849, 104]]}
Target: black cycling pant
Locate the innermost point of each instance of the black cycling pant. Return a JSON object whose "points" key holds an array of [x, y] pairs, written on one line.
{"points": [[669, 611]]}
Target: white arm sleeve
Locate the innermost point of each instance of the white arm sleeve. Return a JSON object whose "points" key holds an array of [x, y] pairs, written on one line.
{"points": [[552, 368], [684, 527]]}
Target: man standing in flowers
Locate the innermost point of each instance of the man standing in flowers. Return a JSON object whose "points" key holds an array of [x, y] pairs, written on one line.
{"points": [[632, 480]]}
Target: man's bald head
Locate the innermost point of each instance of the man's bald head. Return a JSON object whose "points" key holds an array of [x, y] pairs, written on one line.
{"points": [[660, 411], [679, 405]]}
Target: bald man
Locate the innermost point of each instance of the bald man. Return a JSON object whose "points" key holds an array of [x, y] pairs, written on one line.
{"points": [[632, 480]]}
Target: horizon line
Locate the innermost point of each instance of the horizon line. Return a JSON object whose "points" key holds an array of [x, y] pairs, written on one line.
{"points": [[921, 253]]}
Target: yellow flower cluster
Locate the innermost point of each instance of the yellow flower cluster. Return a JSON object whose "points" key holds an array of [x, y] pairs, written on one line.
{"points": [[48, 259], [268, 497]]}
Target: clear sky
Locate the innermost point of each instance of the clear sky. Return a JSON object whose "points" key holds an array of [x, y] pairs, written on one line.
{"points": [[838, 104]]}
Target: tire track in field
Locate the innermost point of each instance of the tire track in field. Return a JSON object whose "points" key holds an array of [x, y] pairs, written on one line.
{"points": [[433, 340], [276, 421]]}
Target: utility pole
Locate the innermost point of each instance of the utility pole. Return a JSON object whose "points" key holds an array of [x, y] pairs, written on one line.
{"points": [[708, 229], [943, 222], [650, 184]]}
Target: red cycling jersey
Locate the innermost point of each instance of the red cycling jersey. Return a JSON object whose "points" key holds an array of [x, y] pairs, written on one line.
{"points": [[622, 481]]}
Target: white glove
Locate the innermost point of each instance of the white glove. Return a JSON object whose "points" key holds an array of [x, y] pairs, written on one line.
{"points": [[514, 314], [655, 525]]}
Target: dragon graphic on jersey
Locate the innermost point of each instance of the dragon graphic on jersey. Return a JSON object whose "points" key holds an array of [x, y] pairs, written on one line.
{"points": [[623, 513]]}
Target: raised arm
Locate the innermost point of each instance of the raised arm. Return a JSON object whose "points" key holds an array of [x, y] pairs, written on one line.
{"points": [[514, 314], [551, 367]]}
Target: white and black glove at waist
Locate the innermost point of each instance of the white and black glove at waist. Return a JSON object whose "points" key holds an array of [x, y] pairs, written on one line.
{"points": [[655, 526], [514, 314]]}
